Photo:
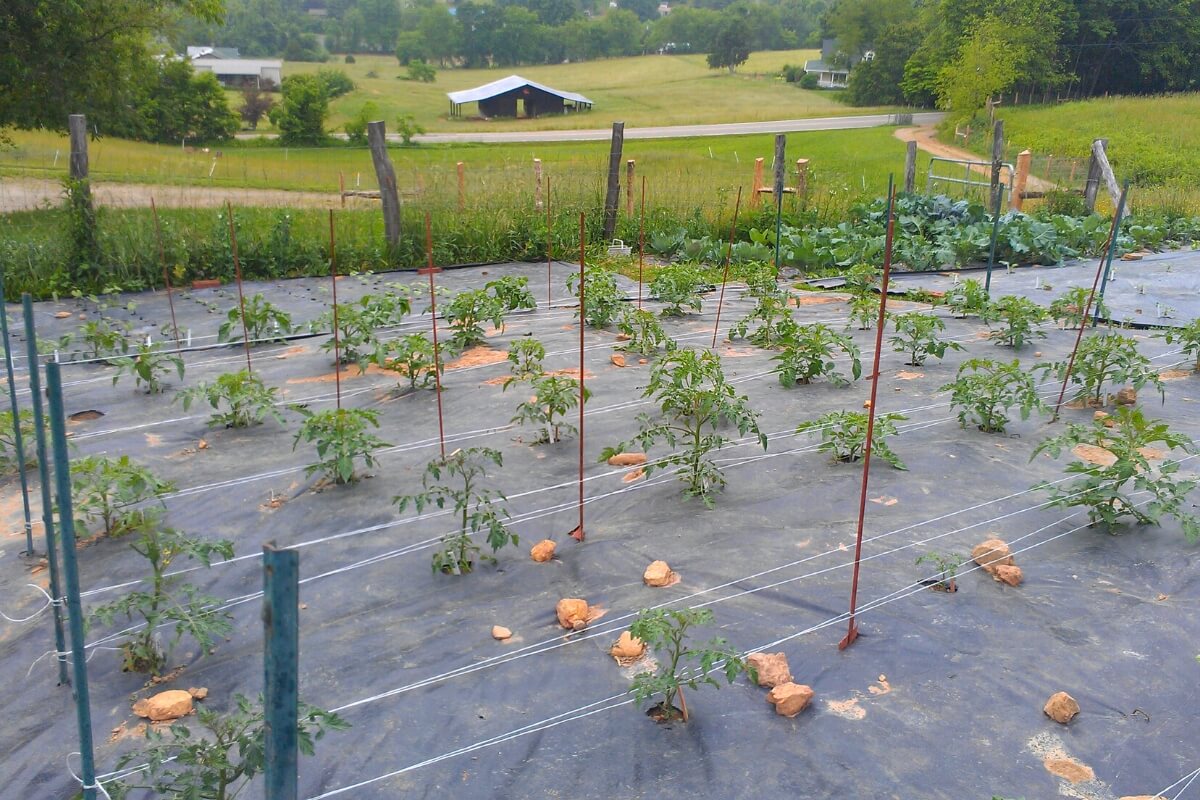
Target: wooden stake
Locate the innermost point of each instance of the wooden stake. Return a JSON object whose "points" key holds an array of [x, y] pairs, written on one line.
{"points": [[337, 349], [642, 243], [612, 193], [629, 168], [537, 184], [728, 256], [549, 247], [462, 186], [162, 259], [237, 267], [1024, 161], [437, 359], [756, 189]]}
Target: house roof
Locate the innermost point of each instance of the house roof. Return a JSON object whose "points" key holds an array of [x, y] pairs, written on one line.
{"points": [[236, 66], [508, 84], [821, 66], [206, 51]]}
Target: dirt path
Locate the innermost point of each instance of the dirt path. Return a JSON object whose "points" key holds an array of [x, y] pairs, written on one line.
{"points": [[26, 194], [926, 139]]}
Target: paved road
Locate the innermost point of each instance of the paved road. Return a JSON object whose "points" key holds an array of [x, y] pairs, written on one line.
{"points": [[672, 131]]}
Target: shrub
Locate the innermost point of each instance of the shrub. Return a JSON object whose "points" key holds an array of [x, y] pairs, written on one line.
{"points": [[238, 399], [335, 82], [602, 298], [1107, 490], [1020, 317], [666, 632], [1103, 359], [844, 435], [553, 396], [985, 390], [356, 126], [1063, 202], [408, 127], [421, 71], [676, 287], [264, 321], [411, 356], [169, 601], [695, 402], [809, 354], [917, 335], [473, 503], [350, 59], [645, 334], [809, 81], [341, 438], [116, 492]]}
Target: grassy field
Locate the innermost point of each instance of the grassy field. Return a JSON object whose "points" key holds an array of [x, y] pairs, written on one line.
{"points": [[1154, 142], [642, 90], [679, 172]]}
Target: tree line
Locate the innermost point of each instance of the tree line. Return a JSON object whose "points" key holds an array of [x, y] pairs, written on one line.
{"points": [[958, 53]]}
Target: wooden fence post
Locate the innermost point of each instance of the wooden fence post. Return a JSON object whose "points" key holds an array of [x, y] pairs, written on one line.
{"points": [[613, 195], [389, 197], [1100, 154], [462, 185], [997, 164], [1024, 160], [79, 149], [910, 167], [757, 185], [1092, 187], [537, 184], [630, 166], [801, 179]]}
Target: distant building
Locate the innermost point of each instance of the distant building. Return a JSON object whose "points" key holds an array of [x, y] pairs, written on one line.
{"points": [[500, 99], [833, 67], [241, 73], [664, 9], [205, 51]]}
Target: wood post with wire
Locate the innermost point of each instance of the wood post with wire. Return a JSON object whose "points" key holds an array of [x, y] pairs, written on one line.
{"points": [[728, 257], [429, 270], [802, 179], [386, 175], [237, 268], [537, 184], [630, 166], [756, 186], [613, 192], [852, 629], [910, 167], [1021, 180]]}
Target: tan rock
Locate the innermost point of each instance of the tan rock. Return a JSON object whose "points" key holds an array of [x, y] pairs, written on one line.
{"points": [[198, 693], [658, 574], [572, 613], [991, 554], [1132, 257], [617, 359], [543, 551], [772, 668], [627, 459], [1126, 396], [1009, 574], [1061, 707], [627, 648], [500, 633], [790, 699], [168, 705], [1103, 417]]}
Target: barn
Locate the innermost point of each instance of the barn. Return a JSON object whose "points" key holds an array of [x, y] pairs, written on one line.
{"points": [[515, 96]]}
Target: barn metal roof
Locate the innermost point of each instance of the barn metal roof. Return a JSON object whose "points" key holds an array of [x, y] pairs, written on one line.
{"points": [[507, 85]]}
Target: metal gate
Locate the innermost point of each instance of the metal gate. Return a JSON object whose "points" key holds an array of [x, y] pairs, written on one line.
{"points": [[967, 174]]}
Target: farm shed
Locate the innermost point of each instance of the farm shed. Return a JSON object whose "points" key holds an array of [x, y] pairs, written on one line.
{"points": [[500, 99], [242, 72]]}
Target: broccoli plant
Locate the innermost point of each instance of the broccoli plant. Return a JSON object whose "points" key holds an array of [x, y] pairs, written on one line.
{"points": [[217, 762], [149, 364], [676, 286], [8, 441], [666, 630], [341, 438], [167, 601], [602, 298], [772, 320], [644, 334], [264, 321], [1107, 489], [984, 391], [512, 292], [1188, 339], [844, 435], [553, 396], [525, 359], [411, 356], [1020, 317], [1104, 359], [1067, 309], [966, 298], [917, 335], [809, 354], [238, 399], [947, 565], [467, 312], [103, 338], [457, 482], [864, 311], [695, 400], [115, 492]]}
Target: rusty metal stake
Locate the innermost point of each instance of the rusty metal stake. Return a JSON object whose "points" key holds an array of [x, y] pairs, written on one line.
{"points": [[728, 256]]}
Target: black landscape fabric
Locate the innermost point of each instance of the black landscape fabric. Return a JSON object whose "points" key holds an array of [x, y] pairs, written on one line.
{"points": [[941, 696]]}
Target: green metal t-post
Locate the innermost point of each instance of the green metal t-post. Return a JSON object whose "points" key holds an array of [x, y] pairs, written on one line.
{"points": [[39, 428], [66, 526], [281, 665], [987, 282], [18, 444], [1112, 249]]}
